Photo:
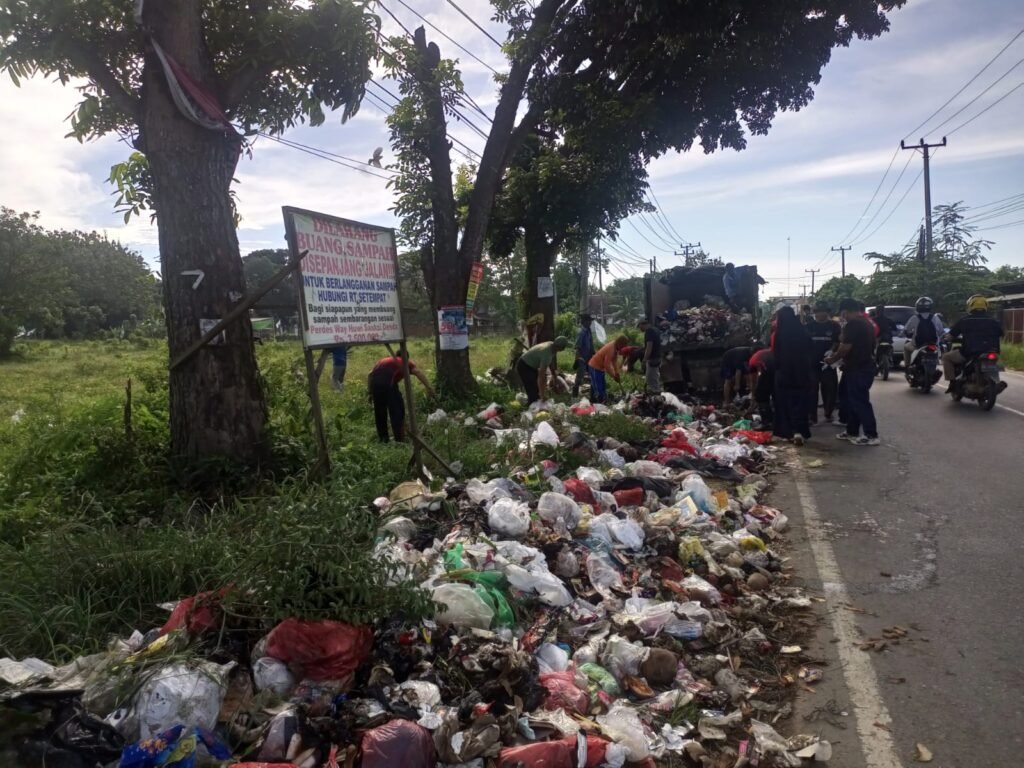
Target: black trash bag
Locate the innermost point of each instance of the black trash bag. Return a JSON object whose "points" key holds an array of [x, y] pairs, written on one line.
{"points": [[72, 739]]}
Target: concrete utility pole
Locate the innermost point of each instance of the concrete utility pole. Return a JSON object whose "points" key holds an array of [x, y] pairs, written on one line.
{"points": [[924, 147], [843, 249], [600, 277], [585, 283], [813, 272], [687, 248], [803, 287]]}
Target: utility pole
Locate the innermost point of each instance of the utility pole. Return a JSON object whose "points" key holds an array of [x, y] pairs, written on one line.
{"points": [[687, 248], [813, 272], [600, 277], [585, 283], [843, 249], [803, 287], [924, 147]]}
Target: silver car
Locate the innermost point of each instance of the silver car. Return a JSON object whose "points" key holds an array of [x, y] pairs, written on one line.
{"points": [[900, 316]]}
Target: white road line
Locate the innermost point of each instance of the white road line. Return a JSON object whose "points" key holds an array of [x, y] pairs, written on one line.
{"points": [[877, 744], [1011, 410]]}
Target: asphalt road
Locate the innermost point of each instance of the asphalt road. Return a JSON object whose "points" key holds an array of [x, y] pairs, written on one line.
{"points": [[925, 532]]}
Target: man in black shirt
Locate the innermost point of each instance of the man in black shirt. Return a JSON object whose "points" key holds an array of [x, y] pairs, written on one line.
{"points": [[824, 333], [651, 356], [979, 333], [857, 353]]}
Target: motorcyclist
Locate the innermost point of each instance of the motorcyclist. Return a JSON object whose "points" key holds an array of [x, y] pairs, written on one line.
{"points": [[978, 333], [886, 327], [922, 329]]}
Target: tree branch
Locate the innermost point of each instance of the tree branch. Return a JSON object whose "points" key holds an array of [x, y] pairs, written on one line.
{"points": [[235, 87], [85, 59]]}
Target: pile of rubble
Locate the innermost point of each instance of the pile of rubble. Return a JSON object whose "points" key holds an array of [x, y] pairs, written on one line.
{"points": [[608, 603]]}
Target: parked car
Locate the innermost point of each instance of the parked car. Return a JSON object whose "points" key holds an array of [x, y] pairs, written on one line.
{"points": [[900, 316]]}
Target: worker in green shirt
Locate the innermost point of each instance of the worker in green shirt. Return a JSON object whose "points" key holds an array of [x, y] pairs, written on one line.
{"points": [[534, 364]]}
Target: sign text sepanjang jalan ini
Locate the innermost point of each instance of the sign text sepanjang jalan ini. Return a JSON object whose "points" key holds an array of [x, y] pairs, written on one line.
{"points": [[349, 280]]}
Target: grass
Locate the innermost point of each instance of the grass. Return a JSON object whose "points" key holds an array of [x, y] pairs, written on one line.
{"points": [[1012, 356], [94, 532]]}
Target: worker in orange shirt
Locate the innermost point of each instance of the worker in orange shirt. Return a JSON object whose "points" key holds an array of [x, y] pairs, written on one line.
{"points": [[605, 361]]}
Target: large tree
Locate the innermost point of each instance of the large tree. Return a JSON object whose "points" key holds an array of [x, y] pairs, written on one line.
{"points": [[707, 71], [186, 81]]}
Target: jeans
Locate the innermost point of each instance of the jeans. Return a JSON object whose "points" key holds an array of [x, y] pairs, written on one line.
{"points": [[388, 403], [598, 388], [859, 411]]}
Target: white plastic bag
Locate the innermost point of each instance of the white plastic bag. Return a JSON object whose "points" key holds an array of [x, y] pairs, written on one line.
{"points": [[545, 435], [509, 518], [479, 491], [463, 607], [695, 487], [190, 694], [622, 725], [599, 333], [611, 458], [627, 532], [270, 674], [553, 508], [590, 476], [437, 417], [548, 587], [552, 658], [727, 453], [603, 574], [644, 468], [622, 657]]}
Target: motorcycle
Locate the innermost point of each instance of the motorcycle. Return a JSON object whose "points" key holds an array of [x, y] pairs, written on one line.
{"points": [[924, 372], [978, 379], [883, 358]]}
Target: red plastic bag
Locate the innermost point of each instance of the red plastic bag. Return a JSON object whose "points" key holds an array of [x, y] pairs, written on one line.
{"points": [[563, 693], [197, 614], [580, 491], [582, 410], [320, 650], [761, 438], [553, 754], [678, 441], [664, 455], [399, 742], [630, 497]]}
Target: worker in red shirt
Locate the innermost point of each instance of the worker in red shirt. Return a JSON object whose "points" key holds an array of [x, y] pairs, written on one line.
{"points": [[387, 399]]}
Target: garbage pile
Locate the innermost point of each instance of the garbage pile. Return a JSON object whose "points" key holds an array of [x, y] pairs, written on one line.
{"points": [[606, 604], [705, 325]]}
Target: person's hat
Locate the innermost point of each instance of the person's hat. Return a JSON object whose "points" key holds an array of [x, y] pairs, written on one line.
{"points": [[561, 342]]}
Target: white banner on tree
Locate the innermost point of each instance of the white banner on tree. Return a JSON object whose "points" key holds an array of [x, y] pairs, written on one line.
{"points": [[349, 280]]}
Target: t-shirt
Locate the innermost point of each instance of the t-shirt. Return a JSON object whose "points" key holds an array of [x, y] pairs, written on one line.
{"points": [[390, 369], [736, 359], [885, 328], [980, 333], [761, 361], [859, 333], [652, 336], [824, 335], [606, 359], [540, 356]]}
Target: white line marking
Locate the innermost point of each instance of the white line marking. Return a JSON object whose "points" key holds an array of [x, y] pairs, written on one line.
{"points": [[877, 744], [1011, 410]]}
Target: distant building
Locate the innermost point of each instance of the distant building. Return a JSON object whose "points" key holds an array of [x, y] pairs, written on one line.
{"points": [[1008, 307]]}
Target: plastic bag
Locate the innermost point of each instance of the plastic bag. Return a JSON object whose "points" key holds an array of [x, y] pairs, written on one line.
{"points": [[579, 491], [555, 507], [563, 693], [652, 618], [622, 657], [601, 677], [626, 532], [548, 587], [603, 574], [197, 614], [479, 491], [399, 742], [273, 675], [320, 650], [463, 606], [611, 458], [590, 476], [567, 565], [545, 434], [552, 658], [645, 468], [437, 417], [697, 586], [497, 602], [600, 335], [509, 518], [726, 453], [181, 694], [489, 412], [622, 725], [695, 487], [629, 497], [175, 746]]}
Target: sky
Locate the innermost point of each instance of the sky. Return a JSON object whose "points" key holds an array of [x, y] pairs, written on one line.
{"points": [[781, 204]]}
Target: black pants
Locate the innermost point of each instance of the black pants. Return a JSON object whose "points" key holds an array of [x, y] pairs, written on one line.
{"points": [[529, 376], [791, 411], [581, 376], [388, 402], [826, 381]]}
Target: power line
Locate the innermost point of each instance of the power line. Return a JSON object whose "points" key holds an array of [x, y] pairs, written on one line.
{"points": [[1018, 195], [1007, 225], [861, 230], [323, 156], [650, 228], [451, 138], [986, 109], [969, 103], [473, 21], [646, 239], [898, 204], [966, 85], [447, 37], [659, 211], [393, 16], [659, 220]]}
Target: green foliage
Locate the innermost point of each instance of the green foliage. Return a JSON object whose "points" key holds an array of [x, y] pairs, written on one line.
{"points": [[282, 301], [567, 324], [833, 290], [616, 425], [1012, 356]]}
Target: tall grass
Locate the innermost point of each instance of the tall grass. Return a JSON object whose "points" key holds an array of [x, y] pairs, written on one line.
{"points": [[1012, 356]]}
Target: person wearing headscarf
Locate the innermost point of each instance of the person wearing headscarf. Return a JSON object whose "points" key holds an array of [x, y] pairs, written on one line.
{"points": [[793, 379]]}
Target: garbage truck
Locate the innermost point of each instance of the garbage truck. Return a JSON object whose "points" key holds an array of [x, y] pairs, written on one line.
{"points": [[699, 325]]}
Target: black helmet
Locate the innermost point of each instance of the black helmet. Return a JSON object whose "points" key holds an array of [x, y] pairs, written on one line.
{"points": [[924, 304]]}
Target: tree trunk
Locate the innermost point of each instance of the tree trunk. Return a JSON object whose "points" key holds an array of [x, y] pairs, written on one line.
{"points": [[217, 406], [540, 257]]}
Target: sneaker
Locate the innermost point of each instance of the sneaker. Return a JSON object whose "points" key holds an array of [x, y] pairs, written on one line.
{"points": [[837, 423], [844, 436], [798, 440], [866, 441]]}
